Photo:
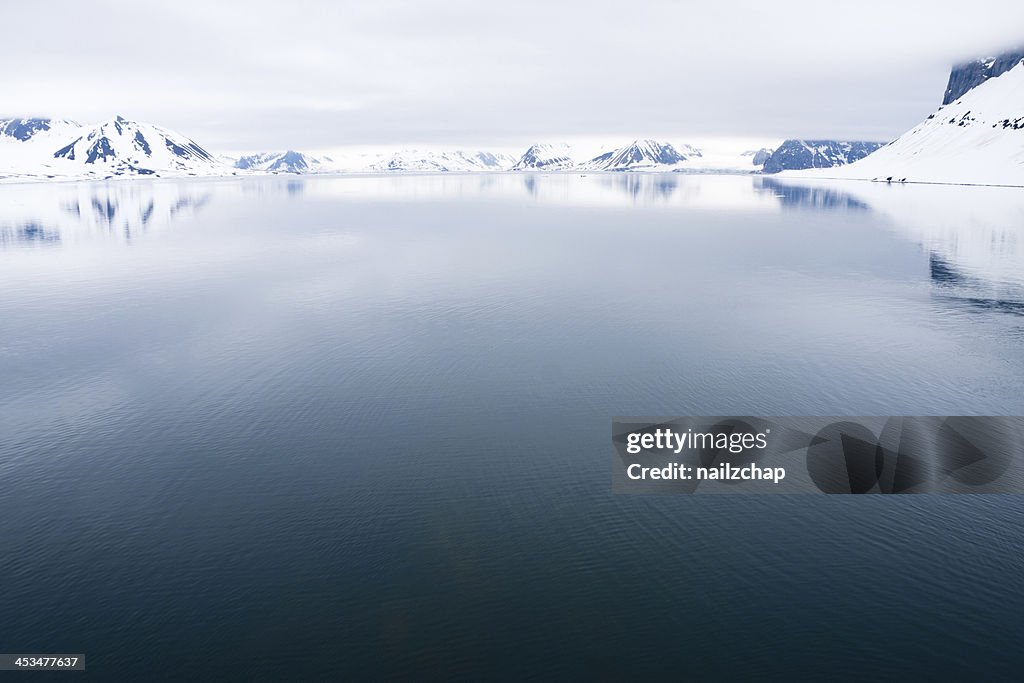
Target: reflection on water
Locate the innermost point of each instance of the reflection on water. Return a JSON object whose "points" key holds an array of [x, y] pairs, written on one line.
{"points": [[55, 213], [976, 232], [646, 188], [625, 188], [944, 274], [29, 232], [598, 190], [972, 237], [808, 197]]}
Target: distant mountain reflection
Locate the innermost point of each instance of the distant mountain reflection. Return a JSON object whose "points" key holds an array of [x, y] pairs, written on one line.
{"points": [[808, 197], [60, 213]]}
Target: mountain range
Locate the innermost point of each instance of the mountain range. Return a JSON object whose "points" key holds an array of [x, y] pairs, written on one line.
{"points": [[639, 155], [975, 136], [282, 162], [39, 148], [801, 154], [441, 162]]}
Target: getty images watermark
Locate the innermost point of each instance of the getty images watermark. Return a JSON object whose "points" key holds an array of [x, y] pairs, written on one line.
{"points": [[818, 455]]}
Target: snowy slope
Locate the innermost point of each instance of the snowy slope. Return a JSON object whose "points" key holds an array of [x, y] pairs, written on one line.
{"points": [[977, 139], [27, 145], [117, 147]]}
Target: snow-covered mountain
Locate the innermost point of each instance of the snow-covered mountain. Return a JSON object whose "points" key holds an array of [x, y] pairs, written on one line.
{"points": [[441, 162], [411, 161], [976, 139], [800, 154], [284, 162], [640, 155], [545, 157], [118, 147]]}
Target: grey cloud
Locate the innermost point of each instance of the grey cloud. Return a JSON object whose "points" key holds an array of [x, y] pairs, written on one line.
{"points": [[301, 74]]}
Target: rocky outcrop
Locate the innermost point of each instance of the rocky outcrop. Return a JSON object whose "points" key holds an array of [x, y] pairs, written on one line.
{"points": [[795, 155], [969, 75]]}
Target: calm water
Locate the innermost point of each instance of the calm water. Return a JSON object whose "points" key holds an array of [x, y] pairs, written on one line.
{"points": [[286, 429]]}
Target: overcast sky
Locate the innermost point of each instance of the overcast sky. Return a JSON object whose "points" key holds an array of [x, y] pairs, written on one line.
{"points": [[303, 74]]}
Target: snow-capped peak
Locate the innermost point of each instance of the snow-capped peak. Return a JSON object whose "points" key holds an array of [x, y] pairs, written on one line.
{"points": [[120, 146], [545, 156], [642, 154]]}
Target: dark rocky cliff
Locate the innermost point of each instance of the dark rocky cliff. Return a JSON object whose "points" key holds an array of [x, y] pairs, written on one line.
{"points": [[970, 75], [23, 129]]}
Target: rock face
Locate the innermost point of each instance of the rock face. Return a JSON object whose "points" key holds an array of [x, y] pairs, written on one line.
{"points": [[967, 76], [25, 129], [794, 155]]}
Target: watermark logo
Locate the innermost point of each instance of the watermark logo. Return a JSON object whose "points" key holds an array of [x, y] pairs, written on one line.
{"points": [[845, 455]]}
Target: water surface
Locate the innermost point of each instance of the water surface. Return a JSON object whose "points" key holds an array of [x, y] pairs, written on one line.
{"points": [[285, 428]]}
